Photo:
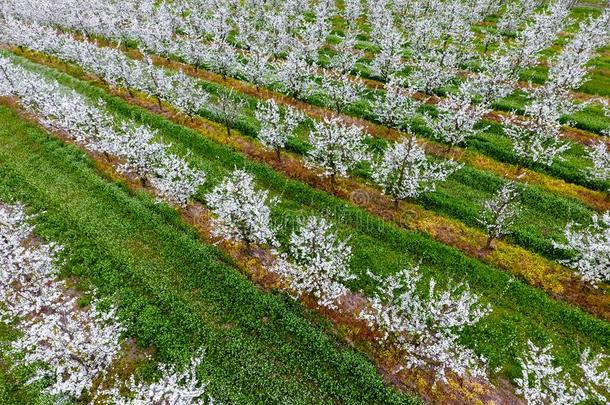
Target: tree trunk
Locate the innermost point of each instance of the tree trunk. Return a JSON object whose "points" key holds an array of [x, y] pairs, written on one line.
{"points": [[488, 243], [278, 154], [519, 168]]}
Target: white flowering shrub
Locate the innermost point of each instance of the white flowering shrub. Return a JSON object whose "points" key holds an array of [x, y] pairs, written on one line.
{"points": [[313, 35], [174, 387], [222, 58], [389, 59], [599, 153], [318, 264], [229, 109], [569, 69], [352, 10], [31, 268], [591, 248], [241, 213], [537, 139], [336, 147], [257, 69], [396, 106], [113, 66], [405, 171], [539, 33], [295, 75], [432, 70], [74, 346], [341, 90], [347, 55], [516, 13], [426, 327], [542, 382], [500, 211], [277, 126], [456, 119], [496, 79]]}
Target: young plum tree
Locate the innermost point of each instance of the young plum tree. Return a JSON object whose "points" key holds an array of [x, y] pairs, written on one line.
{"points": [[457, 119], [396, 106], [229, 109], [319, 263], [426, 328], [406, 172], [542, 382], [241, 213], [336, 147], [499, 212], [277, 126], [591, 248]]}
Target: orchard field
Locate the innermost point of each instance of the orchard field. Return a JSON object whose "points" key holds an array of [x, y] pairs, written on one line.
{"points": [[304, 202]]}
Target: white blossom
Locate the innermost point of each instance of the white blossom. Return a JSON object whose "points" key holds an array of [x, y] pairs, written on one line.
{"points": [[91, 126], [177, 89], [599, 153], [591, 248], [540, 33], [346, 54], [314, 34], [319, 263], [241, 213], [389, 59], [516, 13], [229, 109], [405, 171], [568, 70], [426, 328], [596, 376], [457, 118], [174, 387], [337, 147], [499, 212], [431, 70], [70, 346], [537, 138], [542, 382], [396, 105], [222, 58], [352, 10], [341, 90], [276, 126], [75, 346], [295, 75], [496, 79], [258, 68]]}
